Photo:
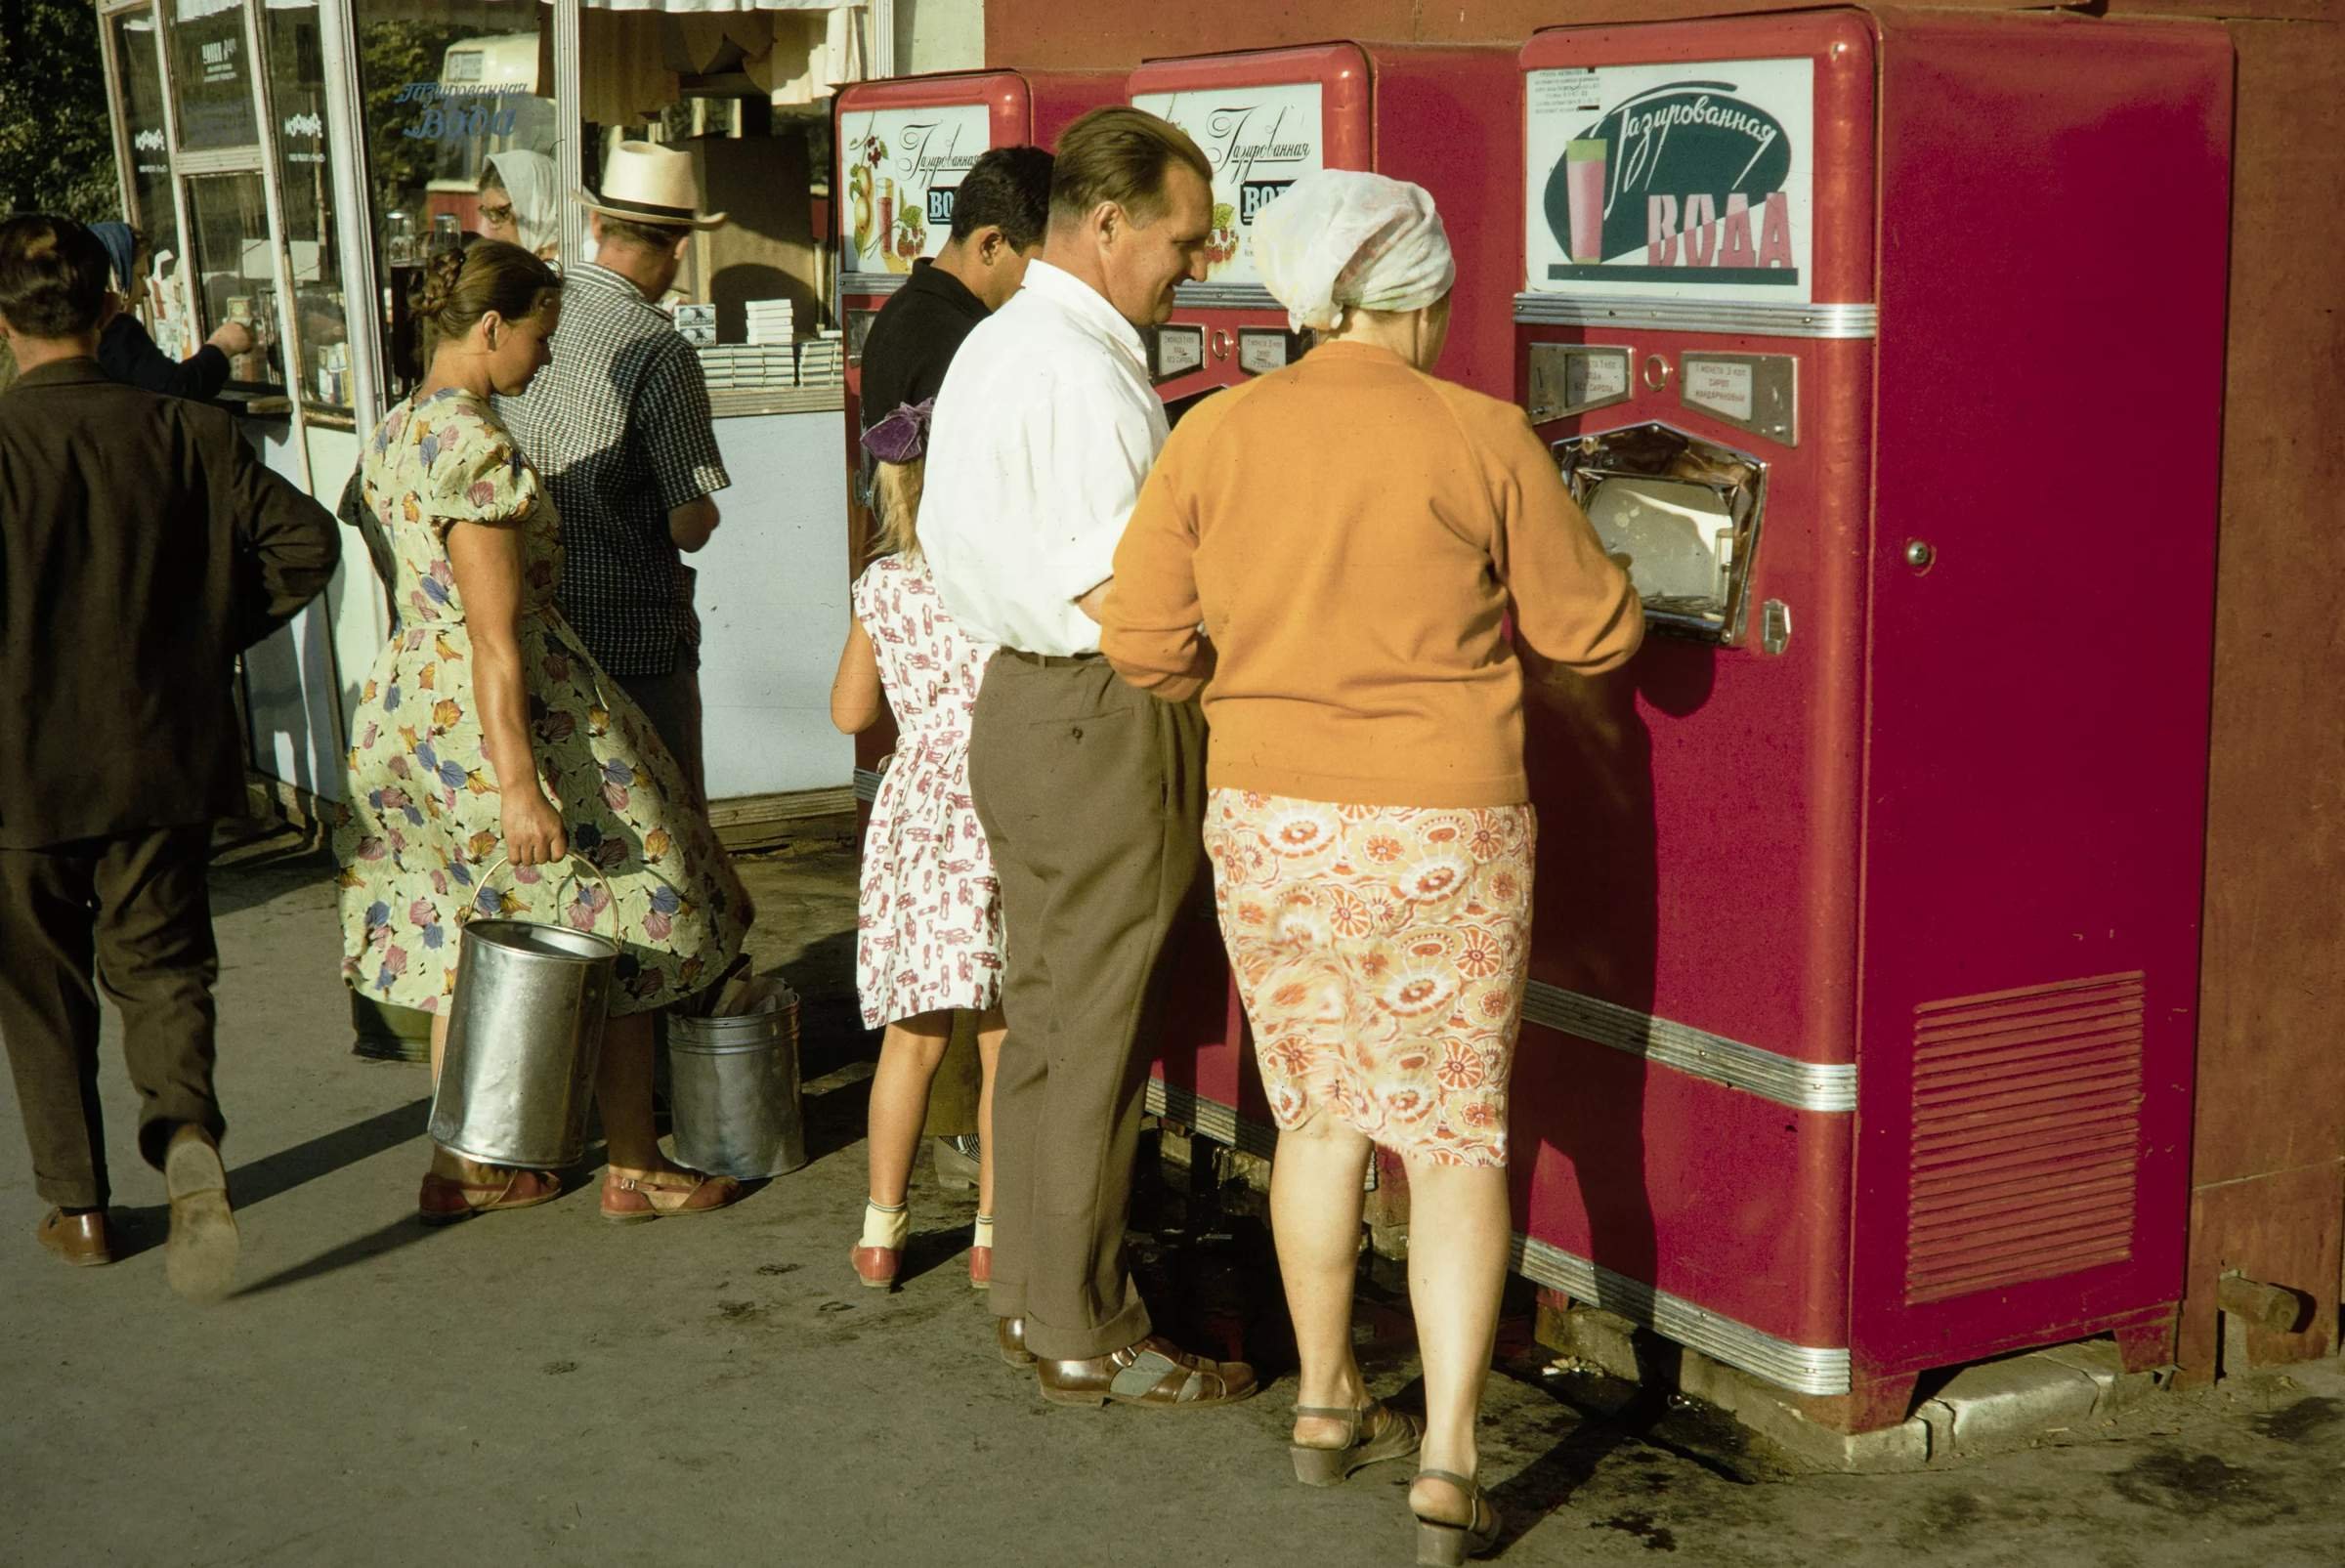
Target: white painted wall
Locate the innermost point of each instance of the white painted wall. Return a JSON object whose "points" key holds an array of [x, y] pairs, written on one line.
{"points": [[773, 602], [939, 36], [294, 692]]}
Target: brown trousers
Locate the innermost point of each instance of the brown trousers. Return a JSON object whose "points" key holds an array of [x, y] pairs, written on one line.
{"points": [[138, 908], [1091, 794]]}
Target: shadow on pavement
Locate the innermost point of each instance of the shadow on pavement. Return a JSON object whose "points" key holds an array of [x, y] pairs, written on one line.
{"points": [[272, 1175], [390, 1238]]}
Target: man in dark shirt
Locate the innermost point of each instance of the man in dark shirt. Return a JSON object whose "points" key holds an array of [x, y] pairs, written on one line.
{"points": [[998, 213], [142, 547]]}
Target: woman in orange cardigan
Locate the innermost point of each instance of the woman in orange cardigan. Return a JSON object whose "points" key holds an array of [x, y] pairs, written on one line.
{"points": [[1352, 534]]}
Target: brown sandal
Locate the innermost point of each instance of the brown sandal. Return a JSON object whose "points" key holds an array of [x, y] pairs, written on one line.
{"points": [[665, 1195], [1376, 1432], [445, 1200]]}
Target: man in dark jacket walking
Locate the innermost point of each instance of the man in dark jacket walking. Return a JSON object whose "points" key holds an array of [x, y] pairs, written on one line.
{"points": [[142, 547]]}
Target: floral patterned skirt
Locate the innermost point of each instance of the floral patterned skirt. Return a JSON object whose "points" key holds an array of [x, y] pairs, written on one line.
{"points": [[1380, 952]]}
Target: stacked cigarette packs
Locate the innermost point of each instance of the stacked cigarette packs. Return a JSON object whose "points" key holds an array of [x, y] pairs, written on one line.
{"points": [[697, 325], [822, 359], [747, 365], [771, 320]]}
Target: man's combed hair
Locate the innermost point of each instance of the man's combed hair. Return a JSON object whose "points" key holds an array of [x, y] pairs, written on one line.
{"points": [[53, 275], [1123, 155], [1009, 189]]}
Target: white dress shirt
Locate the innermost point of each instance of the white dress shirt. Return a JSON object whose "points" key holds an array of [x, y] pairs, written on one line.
{"points": [[1043, 430]]}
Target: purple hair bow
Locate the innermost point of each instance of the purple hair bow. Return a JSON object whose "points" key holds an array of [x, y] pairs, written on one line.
{"points": [[903, 436]]}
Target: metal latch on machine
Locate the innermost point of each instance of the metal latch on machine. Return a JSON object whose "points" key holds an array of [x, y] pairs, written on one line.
{"points": [[1571, 378], [859, 327], [1174, 350], [1754, 392]]}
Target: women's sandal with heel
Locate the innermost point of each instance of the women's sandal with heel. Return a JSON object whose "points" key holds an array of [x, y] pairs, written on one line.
{"points": [[445, 1200], [665, 1195], [1442, 1544], [1374, 1432]]}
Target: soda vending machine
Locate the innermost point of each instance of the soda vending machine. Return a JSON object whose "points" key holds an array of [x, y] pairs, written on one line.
{"points": [[1887, 347], [1442, 116], [903, 146]]}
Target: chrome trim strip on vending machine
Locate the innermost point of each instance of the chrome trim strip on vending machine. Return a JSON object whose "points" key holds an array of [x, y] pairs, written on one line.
{"points": [[1829, 1086], [1802, 1368], [1225, 297], [1699, 316], [871, 282]]}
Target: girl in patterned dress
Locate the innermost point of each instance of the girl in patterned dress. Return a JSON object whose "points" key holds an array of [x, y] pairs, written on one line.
{"points": [[487, 734], [929, 915]]}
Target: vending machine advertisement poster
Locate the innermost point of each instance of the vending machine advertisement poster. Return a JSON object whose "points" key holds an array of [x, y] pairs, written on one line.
{"points": [[902, 168], [1686, 181], [1260, 141]]}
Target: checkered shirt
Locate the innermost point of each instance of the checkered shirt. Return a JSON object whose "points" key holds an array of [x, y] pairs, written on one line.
{"points": [[618, 428]]}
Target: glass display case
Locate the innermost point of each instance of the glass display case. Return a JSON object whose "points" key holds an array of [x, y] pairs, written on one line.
{"points": [[290, 39], [211, 76], [235, 274]]}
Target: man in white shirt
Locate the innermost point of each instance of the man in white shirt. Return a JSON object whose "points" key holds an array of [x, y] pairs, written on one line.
{"points": [[1092, 791]]}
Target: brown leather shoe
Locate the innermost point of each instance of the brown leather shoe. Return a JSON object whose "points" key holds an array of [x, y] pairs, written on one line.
{"points": [[1009, 1333], [79, 1238], [1156, 1372]]}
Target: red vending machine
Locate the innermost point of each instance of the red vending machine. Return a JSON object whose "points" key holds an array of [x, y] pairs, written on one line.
{"points": [[1441, 116], [903, 147], [1888, 347]]}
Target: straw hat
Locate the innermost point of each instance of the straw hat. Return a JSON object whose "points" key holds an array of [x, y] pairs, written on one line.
{"points": [[647, 183]]}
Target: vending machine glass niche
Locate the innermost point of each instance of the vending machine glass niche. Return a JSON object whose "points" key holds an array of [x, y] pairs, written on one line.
{"points": [[1685, 514]]}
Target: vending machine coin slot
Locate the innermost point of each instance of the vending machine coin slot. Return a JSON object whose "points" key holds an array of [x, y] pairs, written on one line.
{"points": [[1686, 514], [1754, 392], [1262, 350], [1574, 378], [1174, 351]]}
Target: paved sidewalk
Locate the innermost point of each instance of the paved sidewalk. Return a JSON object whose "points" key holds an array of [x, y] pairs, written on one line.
{"points": [[544, 1388]]}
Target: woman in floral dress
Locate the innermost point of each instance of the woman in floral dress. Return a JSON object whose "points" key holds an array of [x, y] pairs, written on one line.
{"points": [[928, 912], [487, 733]]}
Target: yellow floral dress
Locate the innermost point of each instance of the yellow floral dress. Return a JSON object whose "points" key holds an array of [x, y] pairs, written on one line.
{"points": [[421, 826]]}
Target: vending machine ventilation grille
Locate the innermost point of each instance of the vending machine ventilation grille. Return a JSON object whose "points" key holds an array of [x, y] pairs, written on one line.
{"points": [[2027, 1125]]}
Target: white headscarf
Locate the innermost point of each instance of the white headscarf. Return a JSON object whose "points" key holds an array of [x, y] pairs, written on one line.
{"points": [[1336, 237], [530, 179]]}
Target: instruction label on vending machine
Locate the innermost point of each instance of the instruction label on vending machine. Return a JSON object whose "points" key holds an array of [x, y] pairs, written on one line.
{"points": [[1689, 181], [900, 169], [1260, 141]]}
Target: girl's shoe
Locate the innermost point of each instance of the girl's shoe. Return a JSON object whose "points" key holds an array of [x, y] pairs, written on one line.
{"points": [[876, 1266], [665, 1195], [981, 1268], [1442, 1544], [1376, 1432], [445, 1200]]}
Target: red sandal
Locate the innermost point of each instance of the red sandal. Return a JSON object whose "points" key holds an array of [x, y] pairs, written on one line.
{"points": [[445, 1200], [665, 1195]]}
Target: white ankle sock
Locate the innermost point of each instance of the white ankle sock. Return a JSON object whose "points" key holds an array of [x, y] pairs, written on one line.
{"points": [[886, 1227], [985, 1231]]}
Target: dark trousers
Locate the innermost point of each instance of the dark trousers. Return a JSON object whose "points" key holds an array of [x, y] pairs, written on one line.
{"points": [[137, 910], [672, 702], [1091, 794]]}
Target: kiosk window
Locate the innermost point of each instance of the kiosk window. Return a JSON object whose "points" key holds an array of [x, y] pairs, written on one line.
{"points": [[297, 97], [210, 75], [460, 141], [143, 129], [233, 276]]}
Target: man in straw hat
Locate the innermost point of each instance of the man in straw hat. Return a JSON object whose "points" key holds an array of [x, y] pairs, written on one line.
{"points": [[1090, 790], [620, 430]]}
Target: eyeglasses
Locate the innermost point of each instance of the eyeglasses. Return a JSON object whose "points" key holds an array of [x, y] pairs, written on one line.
{"points": [[500, 214]]}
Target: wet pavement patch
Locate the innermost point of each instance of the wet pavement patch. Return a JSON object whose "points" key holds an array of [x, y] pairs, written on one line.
{"points": [[2196, 1485], [1641, 1527], [2301, 1419]]}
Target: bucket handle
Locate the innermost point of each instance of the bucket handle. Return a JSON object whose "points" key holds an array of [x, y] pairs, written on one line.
{"points": [[610, 899]]}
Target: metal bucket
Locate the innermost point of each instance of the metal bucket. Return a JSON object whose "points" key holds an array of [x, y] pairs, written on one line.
{"points": [[525, 1033], [735, 1093]]}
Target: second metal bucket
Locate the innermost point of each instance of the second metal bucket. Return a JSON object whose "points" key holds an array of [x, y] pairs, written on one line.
{"points": [[525, 1034], [735, 1099]]}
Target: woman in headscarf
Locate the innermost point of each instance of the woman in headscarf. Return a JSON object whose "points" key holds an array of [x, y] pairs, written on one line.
{"points": [[519, 203], [125, 351], [1353, 535]]}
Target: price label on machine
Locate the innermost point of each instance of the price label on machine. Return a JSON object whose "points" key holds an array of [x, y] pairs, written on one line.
{"points": [[1571, 378], [1754, 392], [1722, 385]]}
